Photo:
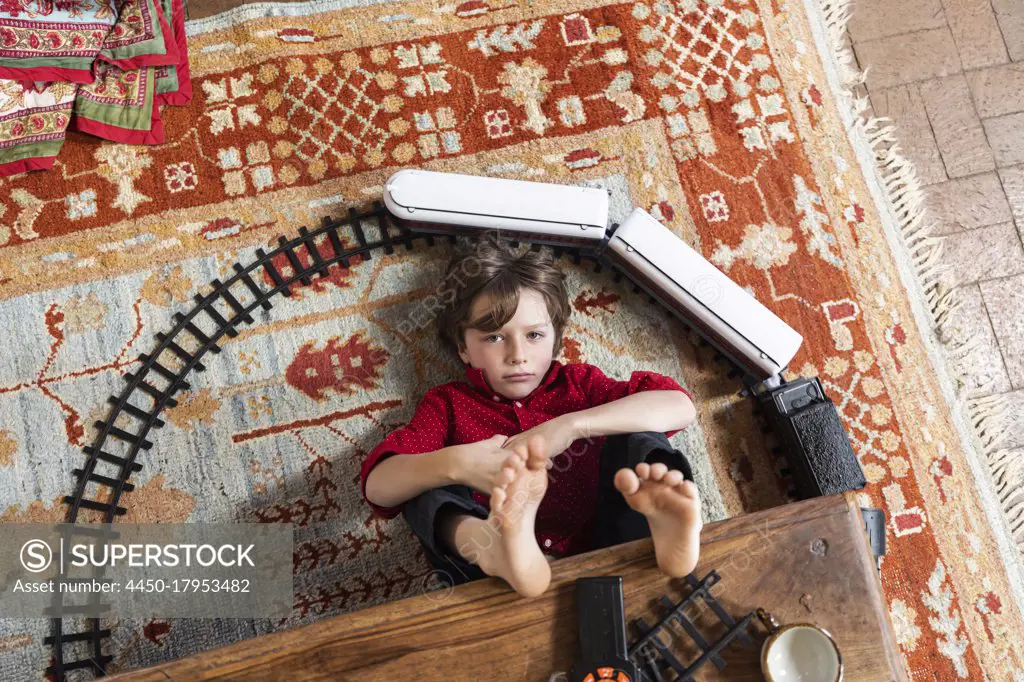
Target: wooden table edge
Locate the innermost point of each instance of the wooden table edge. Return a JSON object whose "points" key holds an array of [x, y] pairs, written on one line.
{"points": [[231, 659], [874, 586]]}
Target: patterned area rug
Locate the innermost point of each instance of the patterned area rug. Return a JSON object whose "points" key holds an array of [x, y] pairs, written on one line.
{"points": [[727, 119]]}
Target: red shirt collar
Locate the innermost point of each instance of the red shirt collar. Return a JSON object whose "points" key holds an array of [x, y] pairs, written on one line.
{"points": [[475, 376]]}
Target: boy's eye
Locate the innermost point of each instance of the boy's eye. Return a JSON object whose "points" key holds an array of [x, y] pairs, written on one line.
{"points": [[492, 338]]}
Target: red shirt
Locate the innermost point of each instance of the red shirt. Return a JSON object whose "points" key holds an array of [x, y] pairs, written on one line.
{"points": [[459, 412]]}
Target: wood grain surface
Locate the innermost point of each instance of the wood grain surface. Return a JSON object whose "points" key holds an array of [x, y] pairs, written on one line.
{"points": [[803, 562]]}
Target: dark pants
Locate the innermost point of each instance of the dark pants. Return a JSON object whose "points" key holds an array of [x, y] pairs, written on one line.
{"points": [[614, 524]]}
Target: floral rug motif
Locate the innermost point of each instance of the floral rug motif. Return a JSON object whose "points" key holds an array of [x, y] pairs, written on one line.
{"points": [[723, 118]]}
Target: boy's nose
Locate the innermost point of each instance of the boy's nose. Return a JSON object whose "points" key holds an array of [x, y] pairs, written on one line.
{"points": [[515, 353]]}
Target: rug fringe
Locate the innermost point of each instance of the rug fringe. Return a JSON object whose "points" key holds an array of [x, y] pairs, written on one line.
{"points": [[1007, 472], [988, 415], [903, 188]]}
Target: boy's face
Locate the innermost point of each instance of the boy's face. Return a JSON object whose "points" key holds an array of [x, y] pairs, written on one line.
{"points": [[515, 358]]}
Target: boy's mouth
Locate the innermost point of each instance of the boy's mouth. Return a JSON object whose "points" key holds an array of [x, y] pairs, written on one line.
{"points": [[518, 377]]}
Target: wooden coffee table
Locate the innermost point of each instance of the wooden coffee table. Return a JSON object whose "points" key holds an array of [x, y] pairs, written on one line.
{"points": [[807, 561]]}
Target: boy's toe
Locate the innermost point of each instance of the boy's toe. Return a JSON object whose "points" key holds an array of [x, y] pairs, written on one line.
{"points": [[643, 470], [688, 488], [497, 498], [505, 476], [513, 461], [658, 471], [673, 478], [537, 453], [626, 481]]}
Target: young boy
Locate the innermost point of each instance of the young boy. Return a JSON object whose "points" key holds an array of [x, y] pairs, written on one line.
{"points": [[571, 459]]}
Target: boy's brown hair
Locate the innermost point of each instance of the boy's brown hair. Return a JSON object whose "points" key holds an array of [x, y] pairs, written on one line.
{"points": [[488, 265]]}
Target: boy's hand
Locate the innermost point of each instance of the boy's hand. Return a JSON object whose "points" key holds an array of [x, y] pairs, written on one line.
{"points": [[558, 434], [478, 464]]}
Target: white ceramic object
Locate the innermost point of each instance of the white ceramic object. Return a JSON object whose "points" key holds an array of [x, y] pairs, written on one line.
{"points": [[801, 652]]}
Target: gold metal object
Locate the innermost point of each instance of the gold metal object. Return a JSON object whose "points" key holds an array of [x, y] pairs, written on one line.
{"points": [[775, 630]]}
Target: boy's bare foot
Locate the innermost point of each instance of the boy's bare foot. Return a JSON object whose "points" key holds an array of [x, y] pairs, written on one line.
{"points": [[672, 508], [512, 552], [533, 455]]}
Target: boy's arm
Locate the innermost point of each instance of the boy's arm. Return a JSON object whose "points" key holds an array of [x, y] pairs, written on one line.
{"points": [[398, 479], [664, 411], [647, 402], [410, 460]]}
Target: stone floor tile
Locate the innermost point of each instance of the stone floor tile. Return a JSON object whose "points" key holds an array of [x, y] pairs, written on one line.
{"points": [[983, 365], [1006, 137], [998, 91], [958, 130], [1010, 15], [984, 253], [976, 33], [903, 104], [907, 58], [1003, 303], [967, 203], [873, 19], [1013, 185]]}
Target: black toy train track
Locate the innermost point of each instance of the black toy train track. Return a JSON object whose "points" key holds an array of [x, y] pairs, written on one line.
{"points": [[230, 304]]}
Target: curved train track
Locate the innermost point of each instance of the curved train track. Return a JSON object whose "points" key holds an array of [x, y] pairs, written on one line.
{"points": [[111, 458]]}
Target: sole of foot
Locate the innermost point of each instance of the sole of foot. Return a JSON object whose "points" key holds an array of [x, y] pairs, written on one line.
{"points": [[515, 556], [672, 507]]}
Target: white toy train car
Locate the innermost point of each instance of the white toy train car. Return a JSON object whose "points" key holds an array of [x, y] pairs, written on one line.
{"points": [[654, 258], [449, 203]]}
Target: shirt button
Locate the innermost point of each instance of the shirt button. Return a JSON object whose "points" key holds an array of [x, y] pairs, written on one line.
{"points": [[547, 543], [518, 404], [495, 398]]}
